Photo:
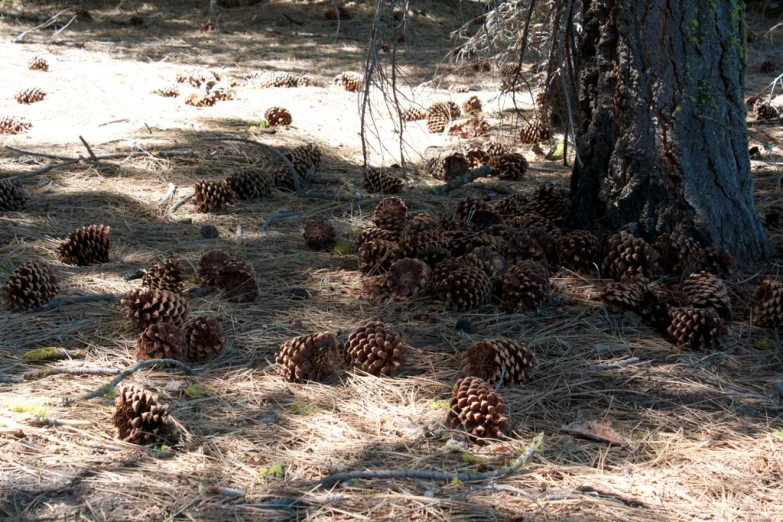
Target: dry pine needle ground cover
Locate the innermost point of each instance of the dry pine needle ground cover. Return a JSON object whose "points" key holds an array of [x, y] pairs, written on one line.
{"points": [[676, 434]]}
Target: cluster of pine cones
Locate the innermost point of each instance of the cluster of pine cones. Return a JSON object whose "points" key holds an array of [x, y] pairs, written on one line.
{"points": [[211, 88]]}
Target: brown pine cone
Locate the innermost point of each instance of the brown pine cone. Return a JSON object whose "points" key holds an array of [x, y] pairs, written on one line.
{"points": [[376, 180], [250, 184], [308, 357], [705, 290], [625, 296], [390, 214], [495, 148], [467, 207], [579, 250], [628, 256], [522, 247], [165, 276], [764, 110], [535, 132], [320, 236], [377, 255], [376, 349], [407, 278], [472, 105], [447, 108], [696, 328], [510, 166], [496, 359], [268, 80], [31, 95], [489, 260], [304, 158], [446, 267], [211, 196], [448, 166], [29, 286], [350, 81], [525, 286], [436, 122], [476, 157], [205, 338], [139, 418], [86, 246], [162, 341], [368, 234], [513, 205], [552, 202], [276, 116], [37, 63], [413, 114], [238, 281], [209, 265], [14, 125], [768, 312], [426, 245], [530, 221], [168, 91], [509, 70], [147, 306], [477, 409], [12, 195], [422, 222], [470, 128], [675, 251], [716, 261], [198, 99], [465, 288]]}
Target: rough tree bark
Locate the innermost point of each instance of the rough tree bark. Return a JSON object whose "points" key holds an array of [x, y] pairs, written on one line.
{"points": [[662, 136]]}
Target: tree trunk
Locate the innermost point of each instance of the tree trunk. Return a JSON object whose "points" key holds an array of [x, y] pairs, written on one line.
{"points": [[662, 143]]}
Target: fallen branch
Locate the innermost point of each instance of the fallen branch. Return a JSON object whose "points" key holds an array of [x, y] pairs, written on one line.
{"points": [[226, 492], [43, 170], [168, 196], [89, 149], [64, 301], [519, 462], [276, 217], [181, 201], [51, 21], [49, 421], [616, 364], [46, 372], [473, 175]]}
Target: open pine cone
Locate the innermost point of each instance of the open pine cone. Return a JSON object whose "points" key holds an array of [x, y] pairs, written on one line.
{"points": [[525, 286], [165, 276], [31, 95], [476, 156], [304, 158], [320, 236], [350, 81], [377, 349], [443, 269], [675, 252], [628, 256], [769, 309], [521, 247], [716, 261], [205, 338], [494, 359], [465, 288], [250, 184], [696, 328], [477, 409], [448, 166], [513, 205], [436, 122], [12, 195], [764, 110], [238, 281], [447, 108], [276, 116], [705, 290], [552, 202], [535, 132], [472, 105], [308, 357], [368, 234], [579, 250], [147, 306], [624, 296], [406, 278], [37, 63], [162, 341], [211, 196], [422, 222], [209, 265], [86, 246], [29, 286], [377, 255], [489, 260], [378, 181], [14, 125], [511, 166], [268, 80], [414, 114], [140, 419], [390, 214]]}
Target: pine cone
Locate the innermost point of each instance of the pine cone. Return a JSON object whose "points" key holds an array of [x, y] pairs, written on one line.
{"points": [[495, 148], [339, 13], [320, 236], [377, 255], [31, 95], [308, 357], [436, 122], [489, 260], [281, 179], [368, 234], [764, 110], [525, 286], [38, 64], [414, 114], [448, 166], [14, 125], [12, 195], [86, 246], [446, 267], [139, 418], [552, 202], [426, 245], [494, 359], [472, 105], [29, 286], [447, 108], [221, 92], [529, 221], [169, 91], [716, 261], [696, 328], [307, 81], [468, 207], [510, 166], [267, 80], [522, 247], [422, 222], [512, 205], [376, 349], [768, 312], [471, 128], [376, 180], [197, 79], [304, 157], [390, 214], [350, 81], [211, 196], [165, 276], [477, 409], [276, 116], [250, 184], [625, 296], [476, 157], [209, 266], [465, 288], [406, 278], [147, 306], [579, 250], [162, 341], [628, 256], [238, 281], [675, 252], [535, 132], [198, 99], [767, 66], [459, 243], [704, 290], [510, 70], [205, 338]]}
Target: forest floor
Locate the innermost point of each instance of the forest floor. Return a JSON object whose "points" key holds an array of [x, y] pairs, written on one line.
{"points": [[682, 435]]}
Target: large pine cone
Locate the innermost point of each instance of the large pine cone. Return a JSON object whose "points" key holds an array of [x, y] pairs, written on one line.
{"points": [[468, 207], [675, 252], [308, 357], [14, 125], [304, 157], [513, 205], [29, 286], [529, 221], [368, 234], [31, 95], [37, 63], [522, 247], [764, 110], [250, 184], [139, 418], [489, 260], [511, 166], [704, 290], [716, 261], [535, 132], [147, 306], [494, 359], [276, 116], [443, 269], [436, 122], [162, 341], [320, 236], [423, 222], [476, 156], [428, 246], [465, 288], [12, 195], [377, 349], [165, 276], [579, 250], [477, 409], [86, 246], [696, 328], [552, 202], [390, 214], [472, 105], [448, 166], [628, 256], [377, 255], [211, 196], [350, 81], [378, 181], [209, 265], [406, 278], [769, 310], [525, 286], [447, 108], [414, 114], [205, 338], [268, 80], [238, 281], [624, 296]]}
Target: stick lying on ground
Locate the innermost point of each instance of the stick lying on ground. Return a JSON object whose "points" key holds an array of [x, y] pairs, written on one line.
{"points": [[473, 175]]}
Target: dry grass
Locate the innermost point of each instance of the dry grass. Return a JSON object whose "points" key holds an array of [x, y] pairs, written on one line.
{"points": [[702, 431]]}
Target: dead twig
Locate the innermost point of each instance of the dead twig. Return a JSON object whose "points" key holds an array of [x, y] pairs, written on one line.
{"points": [[89, 149], [276, 217], [43, 170], [64, 301], [181, 201], [471, 176]]}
